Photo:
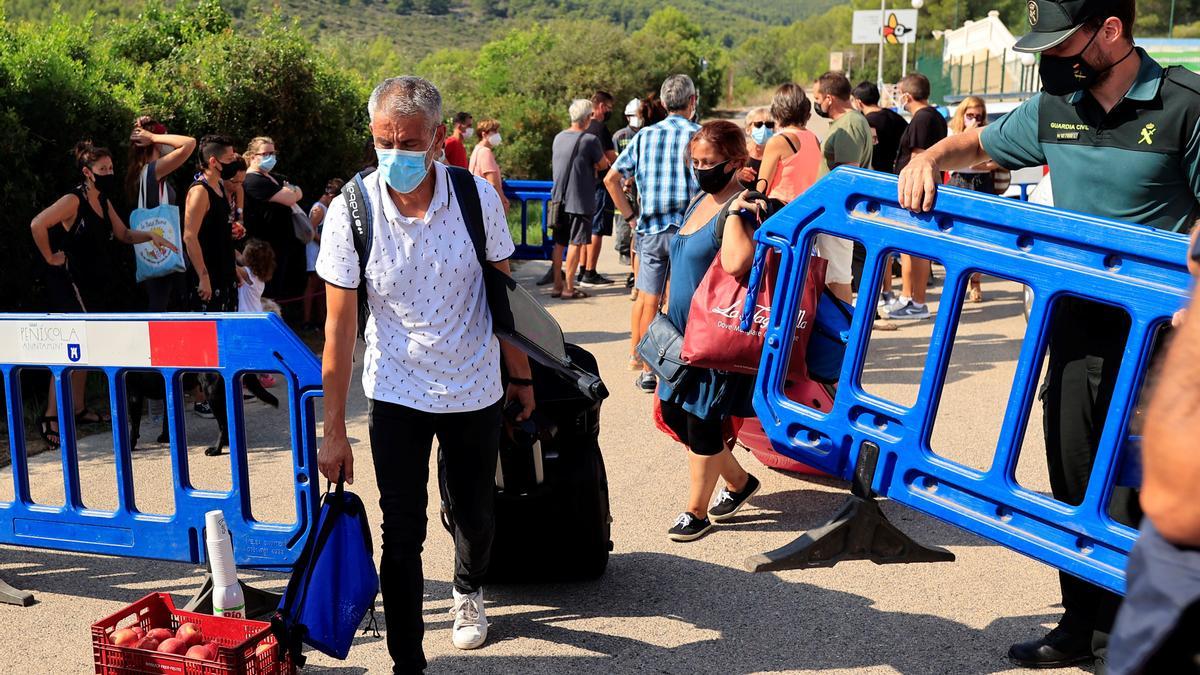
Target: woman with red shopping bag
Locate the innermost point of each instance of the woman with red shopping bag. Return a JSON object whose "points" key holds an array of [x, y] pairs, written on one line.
{"points": [[698, 413]]}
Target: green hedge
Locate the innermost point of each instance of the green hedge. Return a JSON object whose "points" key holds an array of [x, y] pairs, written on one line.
{"points": [[65, 81]]}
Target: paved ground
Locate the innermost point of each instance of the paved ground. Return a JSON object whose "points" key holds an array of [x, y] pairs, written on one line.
{"points": [[661, 607]]}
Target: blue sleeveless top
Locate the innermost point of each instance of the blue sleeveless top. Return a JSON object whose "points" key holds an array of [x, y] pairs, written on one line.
{"points": [[712, 394]]}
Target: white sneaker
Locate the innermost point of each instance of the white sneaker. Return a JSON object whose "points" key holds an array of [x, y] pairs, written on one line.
{"points": [[899, 302], [470, 620], [910, 310]]}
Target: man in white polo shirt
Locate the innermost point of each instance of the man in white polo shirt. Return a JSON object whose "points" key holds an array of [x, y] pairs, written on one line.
{"points": [[432, 365]]}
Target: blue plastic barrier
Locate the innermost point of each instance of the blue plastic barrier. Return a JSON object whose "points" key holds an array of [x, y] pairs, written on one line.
{"points": [[228, 344], [1136, 268], [526, 191]]}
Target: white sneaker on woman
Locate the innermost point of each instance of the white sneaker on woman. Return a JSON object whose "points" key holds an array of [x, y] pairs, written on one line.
{"points": [[470, 620]]}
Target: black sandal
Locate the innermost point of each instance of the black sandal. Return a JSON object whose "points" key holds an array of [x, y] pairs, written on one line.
{"points": [[89, 416], [51, 436]]}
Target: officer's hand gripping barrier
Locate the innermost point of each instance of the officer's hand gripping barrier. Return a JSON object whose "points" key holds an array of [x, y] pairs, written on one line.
{"points": [[170, 344], [1057, 254]]}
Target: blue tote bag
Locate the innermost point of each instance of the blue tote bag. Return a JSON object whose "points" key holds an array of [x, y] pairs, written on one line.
{"points": [[333, 585], [153, 262]]}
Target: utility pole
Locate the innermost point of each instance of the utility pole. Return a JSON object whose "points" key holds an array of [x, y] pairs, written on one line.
{"points": [[879, 66]]}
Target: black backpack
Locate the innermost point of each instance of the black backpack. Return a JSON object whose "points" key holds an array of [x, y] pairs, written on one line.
{"points": [[516, 315]]}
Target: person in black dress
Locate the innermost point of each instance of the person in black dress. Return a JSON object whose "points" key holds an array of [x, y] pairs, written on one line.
{"points": [[73, 236], [207, 233], [269, 199]]}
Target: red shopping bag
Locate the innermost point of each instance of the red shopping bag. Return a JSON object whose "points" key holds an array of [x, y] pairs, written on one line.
{"points": [[729, 428], [713, 337]]}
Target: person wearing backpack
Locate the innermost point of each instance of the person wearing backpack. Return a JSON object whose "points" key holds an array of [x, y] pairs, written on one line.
{"points": [[432, 362]]}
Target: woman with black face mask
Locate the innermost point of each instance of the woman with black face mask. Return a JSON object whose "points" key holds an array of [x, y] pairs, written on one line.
{"points": [[699, 412], [207, 232], [73, 236]]}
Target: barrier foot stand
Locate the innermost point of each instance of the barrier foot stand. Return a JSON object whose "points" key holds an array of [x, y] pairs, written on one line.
{"points": [[14, 596], [859, 531], [260, 604]]}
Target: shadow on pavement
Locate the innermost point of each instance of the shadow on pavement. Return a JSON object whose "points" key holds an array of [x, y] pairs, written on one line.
{"points": [[802, 509], [673, 614], [111, 578]]}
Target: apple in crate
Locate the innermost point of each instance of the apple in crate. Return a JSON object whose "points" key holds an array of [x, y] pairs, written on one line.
{"points": [[148, 643], [141, 632], [189, 633], [160, 634], [124, 637], [264, 647], [203, 652], [173, 646]]}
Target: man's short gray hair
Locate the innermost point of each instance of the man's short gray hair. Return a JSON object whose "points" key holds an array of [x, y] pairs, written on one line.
{"points": [[675, 92], [580, 111], [404, 97]]}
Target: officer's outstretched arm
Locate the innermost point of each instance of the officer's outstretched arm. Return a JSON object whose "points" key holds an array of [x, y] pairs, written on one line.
{"points": [[919, 180]]}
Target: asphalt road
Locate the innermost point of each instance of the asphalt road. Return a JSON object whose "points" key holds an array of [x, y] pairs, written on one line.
{"points": [[661, 607]]}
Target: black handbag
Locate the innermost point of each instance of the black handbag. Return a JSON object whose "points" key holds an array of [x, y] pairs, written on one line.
{"points": [[556, 209], [660, 348]]}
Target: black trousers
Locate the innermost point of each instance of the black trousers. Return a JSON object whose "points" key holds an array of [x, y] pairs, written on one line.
{"points": [[167, 293], [1086, 346], [401, 441]]}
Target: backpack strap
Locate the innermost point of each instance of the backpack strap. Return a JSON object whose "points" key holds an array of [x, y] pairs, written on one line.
{"points": [[467, 196], [496, 284], [358, 208]]}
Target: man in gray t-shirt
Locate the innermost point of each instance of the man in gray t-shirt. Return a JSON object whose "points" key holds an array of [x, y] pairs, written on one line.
{"points": [[575, 187]]}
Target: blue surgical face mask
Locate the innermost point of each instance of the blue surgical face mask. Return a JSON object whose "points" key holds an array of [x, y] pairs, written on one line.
{"points": [[761, 134], [403, 169], [267, 162]]}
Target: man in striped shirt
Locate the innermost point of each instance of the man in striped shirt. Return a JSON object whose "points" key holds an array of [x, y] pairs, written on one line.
{"points": [[657, 160]]}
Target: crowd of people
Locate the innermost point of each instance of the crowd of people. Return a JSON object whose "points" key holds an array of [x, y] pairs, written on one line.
{"points": [[681, 199], [233, 230]]}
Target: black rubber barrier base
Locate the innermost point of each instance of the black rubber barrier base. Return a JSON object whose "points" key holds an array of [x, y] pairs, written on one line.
{"points": [[14, 596], [859, 531], [260, 604]]}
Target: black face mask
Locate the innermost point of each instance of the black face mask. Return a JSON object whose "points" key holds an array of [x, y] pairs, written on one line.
{"points": [[1062, 75], [228, 170], [714, 179], [106, 184], [607, 115], [821, 112]]}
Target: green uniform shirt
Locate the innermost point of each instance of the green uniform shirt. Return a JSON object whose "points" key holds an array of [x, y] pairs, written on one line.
{"points": [[1139, 162], [849, 142]]}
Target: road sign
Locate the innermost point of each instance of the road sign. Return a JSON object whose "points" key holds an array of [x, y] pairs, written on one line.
{"points": [[899, 26]]}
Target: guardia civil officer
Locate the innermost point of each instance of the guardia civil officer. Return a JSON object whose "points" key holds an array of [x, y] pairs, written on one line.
{"points": [[1120, 135]]}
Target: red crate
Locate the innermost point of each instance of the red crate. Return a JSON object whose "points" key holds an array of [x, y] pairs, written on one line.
{"points": [[236, 639]]}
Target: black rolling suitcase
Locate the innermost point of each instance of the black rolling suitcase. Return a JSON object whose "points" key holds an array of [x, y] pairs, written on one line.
{"points": [[552, 511]]}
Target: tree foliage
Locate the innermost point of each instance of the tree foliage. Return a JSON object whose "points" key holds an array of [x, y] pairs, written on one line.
{"points": [[61, 83], [527, 78]]}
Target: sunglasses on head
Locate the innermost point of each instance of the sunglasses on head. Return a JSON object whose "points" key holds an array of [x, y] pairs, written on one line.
{"points": [[768, 124]]}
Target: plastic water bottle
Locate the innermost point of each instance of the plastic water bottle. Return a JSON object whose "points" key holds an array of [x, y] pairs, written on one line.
{"points": [[227, 597]]}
